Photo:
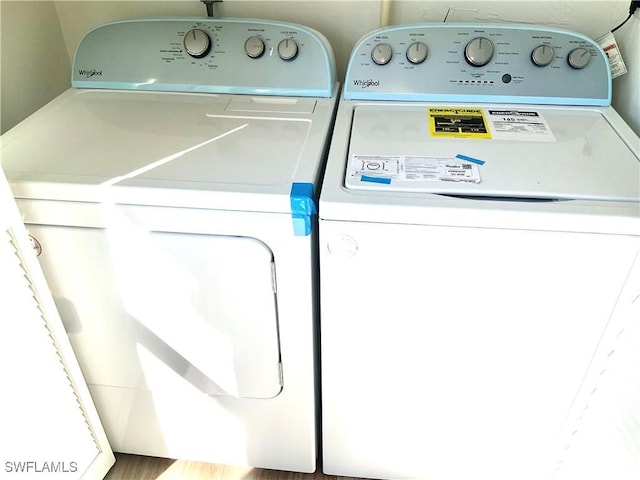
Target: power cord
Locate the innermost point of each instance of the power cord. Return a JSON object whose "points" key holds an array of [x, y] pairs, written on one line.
{"points": [[632, 10]]}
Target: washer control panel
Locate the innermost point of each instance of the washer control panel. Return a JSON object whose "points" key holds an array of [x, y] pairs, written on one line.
{"points": [[482, 63], [206, 55]]}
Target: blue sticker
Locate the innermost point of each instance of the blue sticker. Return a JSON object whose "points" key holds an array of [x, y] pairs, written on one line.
{"points": [[384, 180], [303, 207], [470, 159]]}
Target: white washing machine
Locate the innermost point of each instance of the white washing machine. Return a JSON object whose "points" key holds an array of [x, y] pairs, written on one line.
{"points": [[171, 194], [479, 242]]}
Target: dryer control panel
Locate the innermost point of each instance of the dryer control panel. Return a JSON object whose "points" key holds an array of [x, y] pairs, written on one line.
{"points": [[259, 57], [480, 63]]}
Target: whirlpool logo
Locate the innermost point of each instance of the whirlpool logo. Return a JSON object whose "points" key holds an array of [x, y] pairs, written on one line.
{"points": [[366, 83], [90, 73]]}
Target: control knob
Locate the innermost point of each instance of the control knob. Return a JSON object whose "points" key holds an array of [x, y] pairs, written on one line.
{"points": [[579, 58], [478, 52], [417, 53], [381, 53], [287, 49], [542, 55], [254, 47], [197, 43]]}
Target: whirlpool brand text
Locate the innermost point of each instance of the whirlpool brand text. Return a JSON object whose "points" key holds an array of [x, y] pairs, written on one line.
{"points": [[90, 73], [366, 83]]}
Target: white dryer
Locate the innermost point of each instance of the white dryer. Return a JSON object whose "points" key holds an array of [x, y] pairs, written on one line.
{"points": [[171, 194], [479, 242]]}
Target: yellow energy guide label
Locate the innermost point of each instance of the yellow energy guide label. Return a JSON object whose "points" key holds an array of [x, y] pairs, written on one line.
{"points": [[452, 122]]}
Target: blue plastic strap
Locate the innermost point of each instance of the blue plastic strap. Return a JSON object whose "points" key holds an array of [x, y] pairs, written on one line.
{"points": [[303, 207], [367, 178]]}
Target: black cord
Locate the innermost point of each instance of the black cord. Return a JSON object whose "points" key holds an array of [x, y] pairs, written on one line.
{"points": [[209, 5], [632, 10], [625, 21]]}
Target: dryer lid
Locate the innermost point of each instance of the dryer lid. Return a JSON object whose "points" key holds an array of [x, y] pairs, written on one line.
{"points": [[154, 148], [528, 152]]}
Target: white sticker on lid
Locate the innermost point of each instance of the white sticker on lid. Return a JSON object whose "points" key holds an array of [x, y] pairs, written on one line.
{"points": [[388, 169], [519, 125]]}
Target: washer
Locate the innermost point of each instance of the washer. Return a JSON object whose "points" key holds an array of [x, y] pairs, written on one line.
{"points": [[171, 193], [479, 241]]}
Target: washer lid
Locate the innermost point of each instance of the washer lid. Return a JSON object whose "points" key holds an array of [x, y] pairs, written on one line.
{"points": [[515, 151], [168, 149]]}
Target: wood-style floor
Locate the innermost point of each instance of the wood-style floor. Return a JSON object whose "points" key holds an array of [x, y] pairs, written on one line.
{"points": [[134, 467]]}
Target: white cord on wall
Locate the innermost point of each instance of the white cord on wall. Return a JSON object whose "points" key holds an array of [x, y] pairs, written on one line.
{"points": [[385, 12]]}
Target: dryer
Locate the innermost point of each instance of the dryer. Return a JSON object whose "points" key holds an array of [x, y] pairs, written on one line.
{"points": [[171, 196], [479, 242]]}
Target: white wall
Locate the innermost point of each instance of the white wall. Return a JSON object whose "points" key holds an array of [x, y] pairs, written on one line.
{"points": [[589, 17], [34, 65], [343, 22]]}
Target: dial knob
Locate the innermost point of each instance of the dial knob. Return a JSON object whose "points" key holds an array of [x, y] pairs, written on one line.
{"points": [[417, 52], [579, 58], [478, 51], [197, 43], [287, 49], [542, 55], [254, 47], [381, 53]]}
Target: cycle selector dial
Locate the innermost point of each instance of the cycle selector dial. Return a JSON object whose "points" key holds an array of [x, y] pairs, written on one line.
{"points": [[287, 49], [542, 55], [417, 53], [478, 52], [381, 54], [254, 47], [579, 58], [197, 43]]}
